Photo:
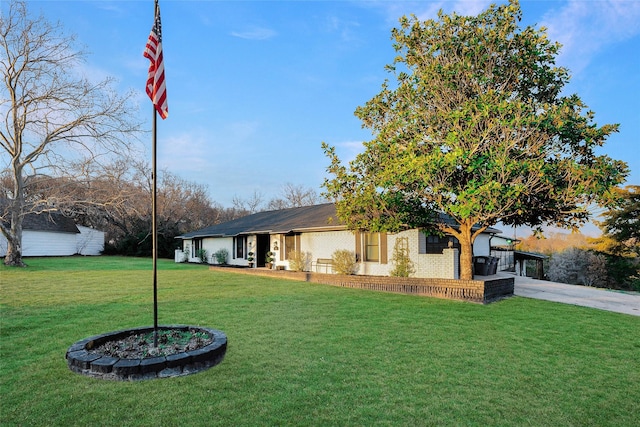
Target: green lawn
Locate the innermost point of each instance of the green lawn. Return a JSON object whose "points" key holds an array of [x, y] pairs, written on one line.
{"points": [[308, 354]]}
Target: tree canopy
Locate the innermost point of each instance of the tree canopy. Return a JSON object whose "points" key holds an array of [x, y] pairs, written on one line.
{"points": [[621, 225], [475, 126]]}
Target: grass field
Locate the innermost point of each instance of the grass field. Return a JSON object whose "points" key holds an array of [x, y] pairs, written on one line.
{"points": [[307, 354]]}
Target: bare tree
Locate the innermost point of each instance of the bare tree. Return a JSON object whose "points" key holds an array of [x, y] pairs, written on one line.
{"points": [[182, 205], [250, 205], [293, 196], [118, 202], [53, 117], [185, 205], [116, 198]]}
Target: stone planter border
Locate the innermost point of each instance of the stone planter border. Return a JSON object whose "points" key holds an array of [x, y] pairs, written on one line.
{"points": [[482, 290], [81, 360]]}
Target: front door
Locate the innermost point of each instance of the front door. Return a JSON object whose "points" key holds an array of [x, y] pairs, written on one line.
{"points": [[262, 247]]}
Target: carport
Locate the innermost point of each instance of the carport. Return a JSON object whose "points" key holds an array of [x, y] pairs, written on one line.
{"points": [[521, 258]]}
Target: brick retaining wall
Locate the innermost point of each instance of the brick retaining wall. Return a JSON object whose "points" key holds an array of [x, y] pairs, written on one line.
{"points": [[480, 291]]}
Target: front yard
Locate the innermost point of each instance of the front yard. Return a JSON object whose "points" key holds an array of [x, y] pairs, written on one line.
{"points": [[310, 354]]}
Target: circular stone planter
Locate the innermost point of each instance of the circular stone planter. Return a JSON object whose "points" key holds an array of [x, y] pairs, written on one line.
{"points": [[80, 359]]}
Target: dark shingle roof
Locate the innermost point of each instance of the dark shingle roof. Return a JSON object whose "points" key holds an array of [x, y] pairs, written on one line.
{"points": [[53, 222], [305, 218], [281, 221]]}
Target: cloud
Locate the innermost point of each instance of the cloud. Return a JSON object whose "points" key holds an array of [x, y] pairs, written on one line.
{"points": [[110, 7], [346, 29], [242, 131], [184, 152], [586, 28], [469, 7], [198, 149], [255, 33], [393, 10]]}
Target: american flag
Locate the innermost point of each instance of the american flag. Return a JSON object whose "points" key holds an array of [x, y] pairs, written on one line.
{"points": [[156, 88]]}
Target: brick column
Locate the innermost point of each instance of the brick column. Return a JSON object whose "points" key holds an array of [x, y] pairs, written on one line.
{"points": [[452, 261]]}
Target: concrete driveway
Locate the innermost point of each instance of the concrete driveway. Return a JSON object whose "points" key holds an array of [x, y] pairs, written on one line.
{"points": [[585, 296]]}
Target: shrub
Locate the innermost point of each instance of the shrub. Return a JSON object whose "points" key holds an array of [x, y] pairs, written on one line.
{"points": [[597, 273], [202, 254], [299, 261], [624, 272], [344, 262], [221, 256], [269, 258], [579, 267], [403, 266]]}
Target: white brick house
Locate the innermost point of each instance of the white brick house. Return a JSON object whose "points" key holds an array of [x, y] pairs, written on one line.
{"points": [[317, 231]]}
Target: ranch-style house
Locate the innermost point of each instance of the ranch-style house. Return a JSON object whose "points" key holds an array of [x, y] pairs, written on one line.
{"points": [[315, 230]]}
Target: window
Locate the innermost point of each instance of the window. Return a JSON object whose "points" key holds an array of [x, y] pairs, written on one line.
{"points": [[372, 247], [434, 244], [239, 245], [289, 245], [197, 245]]}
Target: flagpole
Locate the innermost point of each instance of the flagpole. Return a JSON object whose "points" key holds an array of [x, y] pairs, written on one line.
{"points": [[154, 229], [158, 95]]}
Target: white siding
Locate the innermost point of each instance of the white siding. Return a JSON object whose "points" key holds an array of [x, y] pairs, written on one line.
{"points": [[481, 245], [89, 241], [323, 244], [3, 245], [442, 266], [46, 243], [211, 245], [252, 242]]}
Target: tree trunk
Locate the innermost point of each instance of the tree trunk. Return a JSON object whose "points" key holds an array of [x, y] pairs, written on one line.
{"points": [[14, 256], [14, 242], [14, 233], [466, 252]]}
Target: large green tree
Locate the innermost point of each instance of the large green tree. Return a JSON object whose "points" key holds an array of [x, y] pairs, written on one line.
{"points": [[475, 127]]}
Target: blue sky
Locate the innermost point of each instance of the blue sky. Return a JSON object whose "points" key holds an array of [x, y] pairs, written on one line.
{"points": [[254, 87]]}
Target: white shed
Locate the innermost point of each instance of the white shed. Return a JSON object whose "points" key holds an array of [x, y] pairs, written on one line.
{"points": [[53, 234], [90, 241]]}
